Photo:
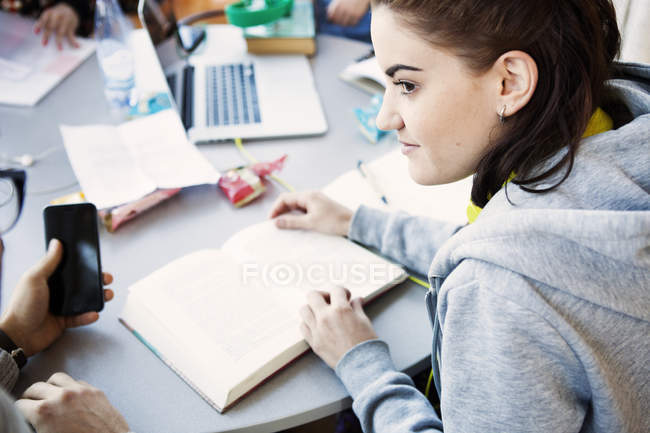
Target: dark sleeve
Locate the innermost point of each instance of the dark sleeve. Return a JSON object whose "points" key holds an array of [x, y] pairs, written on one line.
{"points": [[8, 371]]}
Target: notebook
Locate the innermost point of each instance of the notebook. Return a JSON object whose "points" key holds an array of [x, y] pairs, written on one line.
{"points": [[226, 320], [28, 70], [365, 75], [391, 177], [222, 92]]}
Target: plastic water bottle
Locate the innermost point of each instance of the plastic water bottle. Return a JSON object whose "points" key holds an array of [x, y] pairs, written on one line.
{"points": [[112, 32]]}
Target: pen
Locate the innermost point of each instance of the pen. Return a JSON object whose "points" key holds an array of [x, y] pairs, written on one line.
{"points": [[366, 175], [368, 55]]}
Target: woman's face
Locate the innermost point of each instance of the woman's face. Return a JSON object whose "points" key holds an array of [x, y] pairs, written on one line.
{"points": [[445, 116]]}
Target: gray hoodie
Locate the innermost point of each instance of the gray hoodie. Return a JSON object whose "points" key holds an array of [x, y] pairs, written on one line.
{"points": [[540, 309]]}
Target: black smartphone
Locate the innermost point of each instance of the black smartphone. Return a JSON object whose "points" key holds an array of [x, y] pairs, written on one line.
{"points": [[76, 285]]}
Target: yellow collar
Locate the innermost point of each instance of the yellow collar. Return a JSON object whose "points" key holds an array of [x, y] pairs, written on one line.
{"points": [[599, 122]]}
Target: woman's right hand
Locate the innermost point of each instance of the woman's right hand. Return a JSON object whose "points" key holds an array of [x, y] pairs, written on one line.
{"points": [[319, 213]]}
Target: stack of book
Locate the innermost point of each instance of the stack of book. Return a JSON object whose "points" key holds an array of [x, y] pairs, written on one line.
{"points": [[294, 34]]}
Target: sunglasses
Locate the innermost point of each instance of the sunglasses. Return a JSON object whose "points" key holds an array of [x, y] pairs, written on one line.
{"points": [[12, 195]]}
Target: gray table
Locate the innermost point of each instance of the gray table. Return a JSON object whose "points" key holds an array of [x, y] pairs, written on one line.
{"points": [[149, 394]]}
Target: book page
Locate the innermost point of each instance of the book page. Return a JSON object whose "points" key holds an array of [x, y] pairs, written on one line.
{"points": [[160, 148], [106, 172], [233, 327], [305, 260], [352, 190], [390, 172]]}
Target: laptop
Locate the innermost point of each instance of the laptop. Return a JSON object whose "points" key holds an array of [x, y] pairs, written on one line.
{"points": [[222, 92]]}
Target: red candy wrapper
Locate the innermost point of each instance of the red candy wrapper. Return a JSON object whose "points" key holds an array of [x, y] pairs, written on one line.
{"points": [[244, 184], [115, 217], [263, 169]]}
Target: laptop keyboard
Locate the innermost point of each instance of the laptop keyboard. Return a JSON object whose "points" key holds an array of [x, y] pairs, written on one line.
{"points": [[231, 96]]}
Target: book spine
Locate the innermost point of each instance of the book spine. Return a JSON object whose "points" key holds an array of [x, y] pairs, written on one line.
{"points": [[170, 365], [287, 46]]}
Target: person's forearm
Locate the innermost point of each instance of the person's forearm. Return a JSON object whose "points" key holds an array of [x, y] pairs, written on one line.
{"points": [[410, 240], [382, 395]]}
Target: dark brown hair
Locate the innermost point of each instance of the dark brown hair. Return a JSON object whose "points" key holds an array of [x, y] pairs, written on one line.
{"points": [[573, 43]]}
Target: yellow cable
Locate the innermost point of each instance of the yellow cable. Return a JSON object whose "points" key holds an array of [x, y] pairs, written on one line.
{"points": [[286, 185], [419, 281], [244, 152], [428, 387], [282, 182]]}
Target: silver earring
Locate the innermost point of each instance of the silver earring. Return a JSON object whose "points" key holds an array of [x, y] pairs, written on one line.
{"points": [[502, 113]]}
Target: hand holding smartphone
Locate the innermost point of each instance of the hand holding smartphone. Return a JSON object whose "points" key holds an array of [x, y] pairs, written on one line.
{"points": [[76, 286]]}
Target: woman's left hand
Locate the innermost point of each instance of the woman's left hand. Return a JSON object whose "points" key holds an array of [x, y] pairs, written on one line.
{"points": [[333, 324]]}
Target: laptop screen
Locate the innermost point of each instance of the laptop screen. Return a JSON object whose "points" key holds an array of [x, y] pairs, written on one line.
{"points": [[228, 90], [158, 19]]}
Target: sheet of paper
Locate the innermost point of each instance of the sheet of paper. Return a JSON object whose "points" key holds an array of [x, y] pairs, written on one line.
{"points": [[13, 71], [390, 172], [103, 165], [160, 148], [119, 164], [34, 70]]}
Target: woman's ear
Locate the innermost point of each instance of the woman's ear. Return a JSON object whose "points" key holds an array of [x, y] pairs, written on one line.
{"points": [[517, 72]]}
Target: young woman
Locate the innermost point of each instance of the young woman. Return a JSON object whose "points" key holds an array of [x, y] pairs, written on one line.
{"points": [[540, 305]]}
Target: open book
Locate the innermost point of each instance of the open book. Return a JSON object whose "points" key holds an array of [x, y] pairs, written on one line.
{"points": [[225, 320]]}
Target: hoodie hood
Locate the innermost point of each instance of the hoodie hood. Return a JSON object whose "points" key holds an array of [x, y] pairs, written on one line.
{"points": [[590, 237]]}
